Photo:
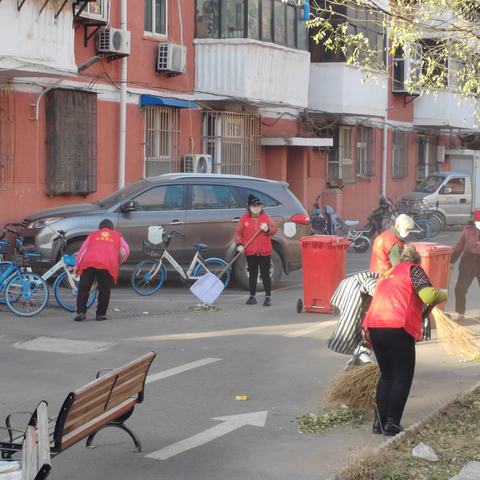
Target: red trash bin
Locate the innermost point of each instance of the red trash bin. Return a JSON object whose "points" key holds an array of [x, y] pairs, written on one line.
{"points": [[436, 263], [324, 259]]}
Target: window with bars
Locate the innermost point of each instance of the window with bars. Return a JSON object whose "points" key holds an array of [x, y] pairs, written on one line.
{"points": [[340, 158], [233, 140], [426, 156], [365, 152], [7, 136], [162, 140], [399, 157]]}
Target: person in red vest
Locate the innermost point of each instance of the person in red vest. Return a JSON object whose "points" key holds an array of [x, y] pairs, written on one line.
{"points": [[388, 246], [468, 247], [259, 252], [393, 324], [98, 260]]}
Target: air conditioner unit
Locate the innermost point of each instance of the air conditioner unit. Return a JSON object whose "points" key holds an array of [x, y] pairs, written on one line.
{"points": [[407, 68], [112, 41], [197, 163], [171, 58]]}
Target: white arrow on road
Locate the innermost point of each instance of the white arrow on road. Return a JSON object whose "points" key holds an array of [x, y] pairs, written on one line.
{"points": [[229, 424]]}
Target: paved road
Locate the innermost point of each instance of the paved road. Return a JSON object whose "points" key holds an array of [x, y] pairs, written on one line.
{"points": [[275, 356]]}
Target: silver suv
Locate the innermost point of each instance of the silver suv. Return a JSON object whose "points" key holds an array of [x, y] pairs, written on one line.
{"points": [[200, 207]]}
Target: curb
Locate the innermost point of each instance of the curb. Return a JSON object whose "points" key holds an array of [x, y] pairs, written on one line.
{"points": [[412, 429]]}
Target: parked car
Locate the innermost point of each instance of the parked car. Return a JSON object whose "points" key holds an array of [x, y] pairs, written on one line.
{"points": [[200, 207]]}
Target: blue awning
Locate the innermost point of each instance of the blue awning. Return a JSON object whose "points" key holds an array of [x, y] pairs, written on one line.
{"points": [[146, 100]]}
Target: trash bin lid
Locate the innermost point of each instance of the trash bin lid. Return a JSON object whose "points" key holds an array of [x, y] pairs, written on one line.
{"points": [[430, 249], [324, 241]]}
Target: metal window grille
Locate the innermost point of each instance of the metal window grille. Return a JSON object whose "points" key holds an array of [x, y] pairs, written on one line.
{"points": [[233, 140], [340, 158], [365, 152], [426, 156], [162, 140], [7, 136], [399, 160]]}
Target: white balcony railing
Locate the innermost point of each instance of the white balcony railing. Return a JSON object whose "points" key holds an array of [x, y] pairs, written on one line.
{"points": [[34, 42], [252, 70], [446, 109], [341, 88]]}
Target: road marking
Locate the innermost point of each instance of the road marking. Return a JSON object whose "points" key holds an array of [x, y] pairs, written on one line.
{"points": [[306, 331], [297, 329], [180, 369], [229, 424]]}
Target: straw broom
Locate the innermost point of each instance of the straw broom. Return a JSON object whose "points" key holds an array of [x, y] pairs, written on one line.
{"points": [[456, 339], [355, 388]]}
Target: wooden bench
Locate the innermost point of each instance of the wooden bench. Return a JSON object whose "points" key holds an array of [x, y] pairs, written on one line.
{"points": [[108, 401]]}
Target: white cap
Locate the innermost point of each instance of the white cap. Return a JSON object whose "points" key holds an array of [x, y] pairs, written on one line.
{"points": [[404, 222]]}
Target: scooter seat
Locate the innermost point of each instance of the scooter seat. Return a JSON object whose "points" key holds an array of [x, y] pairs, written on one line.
{"points": [[351, 223]]}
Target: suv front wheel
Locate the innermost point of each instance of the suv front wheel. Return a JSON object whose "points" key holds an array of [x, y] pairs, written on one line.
{"points": [[241, 273]]}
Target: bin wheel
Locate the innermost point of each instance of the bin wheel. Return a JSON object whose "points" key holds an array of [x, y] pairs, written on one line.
{"points": [[299, 306]]}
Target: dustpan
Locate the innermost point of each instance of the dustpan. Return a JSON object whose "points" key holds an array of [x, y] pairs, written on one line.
{"points": [[209, 286]]}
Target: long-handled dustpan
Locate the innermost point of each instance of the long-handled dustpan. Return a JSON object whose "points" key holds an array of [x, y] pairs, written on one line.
{"points": [[209, 287]]}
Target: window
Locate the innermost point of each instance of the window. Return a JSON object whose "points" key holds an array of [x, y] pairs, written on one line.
{"points": [[208, 197], [399, 159], [71, 142], [340, 158], [156, 16], [426, 156], [159, 199], [455, 186], [95, 12], [162, 140], [279, 21], [365, 152], [233, 141], [266, 200], [7, 136]]}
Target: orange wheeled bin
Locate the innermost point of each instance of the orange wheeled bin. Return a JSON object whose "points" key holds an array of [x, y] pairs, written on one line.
{"points": [[324, 259], [436, 263]]}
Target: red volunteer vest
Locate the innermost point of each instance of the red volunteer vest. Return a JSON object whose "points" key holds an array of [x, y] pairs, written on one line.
{"points": [[396, 304], [383, 244], [103, 252], [262, 245]]}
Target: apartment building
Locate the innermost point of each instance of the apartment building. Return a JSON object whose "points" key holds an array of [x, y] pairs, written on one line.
{"points": [[95, 94]]}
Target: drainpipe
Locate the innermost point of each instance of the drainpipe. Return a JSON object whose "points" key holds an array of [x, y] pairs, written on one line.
{"points": [[123, 102], [385, 118]]}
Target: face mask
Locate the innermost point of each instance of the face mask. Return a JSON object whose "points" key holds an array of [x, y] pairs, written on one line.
{"points": [[477, 224], [256, 210], [403, 233]]}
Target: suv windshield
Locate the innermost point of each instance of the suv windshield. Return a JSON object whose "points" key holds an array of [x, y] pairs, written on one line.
{"points": [[430, 184], [122, 194]]}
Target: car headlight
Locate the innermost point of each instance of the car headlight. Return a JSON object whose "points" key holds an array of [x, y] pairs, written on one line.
{"points": [[44, 222]]}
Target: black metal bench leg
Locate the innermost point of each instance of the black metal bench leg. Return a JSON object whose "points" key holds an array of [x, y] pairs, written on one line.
{"points": [[136, 441]]}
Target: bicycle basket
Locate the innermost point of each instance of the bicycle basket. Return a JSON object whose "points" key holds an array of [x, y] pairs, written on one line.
{"points": [[4, 245], [27, 260], [152, 250]]}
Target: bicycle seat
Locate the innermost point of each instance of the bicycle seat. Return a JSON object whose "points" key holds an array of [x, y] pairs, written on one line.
{"points": [[200, 247]]}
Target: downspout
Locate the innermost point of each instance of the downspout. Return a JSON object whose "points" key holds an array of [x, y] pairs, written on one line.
{"points": [[385, 118], [123, 102]]}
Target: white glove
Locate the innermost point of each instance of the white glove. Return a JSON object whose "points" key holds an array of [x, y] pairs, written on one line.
{"points": [[240, 249], [264, 227]]}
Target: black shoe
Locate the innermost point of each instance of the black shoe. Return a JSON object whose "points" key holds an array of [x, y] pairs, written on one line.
{"points": [[80, 317], [251, 300], [377, 426], [267, 302], [99, 318], [392, 428]]}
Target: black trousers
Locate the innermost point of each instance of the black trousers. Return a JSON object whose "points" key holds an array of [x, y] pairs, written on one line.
{"points": [[468, 270], [395, 352], [255, 262], [105, 284]]}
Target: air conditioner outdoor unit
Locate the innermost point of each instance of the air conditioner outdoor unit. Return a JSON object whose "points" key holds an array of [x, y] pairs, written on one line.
{"points": [[197, 163], [171, 58], [406, 69], [112, 41]]}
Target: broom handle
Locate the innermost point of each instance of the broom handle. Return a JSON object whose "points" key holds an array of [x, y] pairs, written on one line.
{"points": [[231, 262]]}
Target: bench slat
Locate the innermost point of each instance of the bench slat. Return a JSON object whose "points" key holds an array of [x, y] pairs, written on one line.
{"points": [[126, 390], [101, 385]]}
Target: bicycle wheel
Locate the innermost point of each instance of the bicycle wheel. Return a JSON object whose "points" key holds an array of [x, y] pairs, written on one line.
{"points": [[26, 294], [436, 223], [217, 266], [148, 277], [361, 244], [66, 296], [3, 269], [423, 229]]}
